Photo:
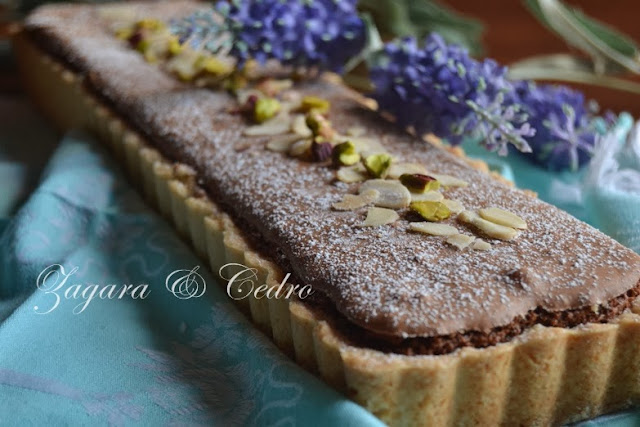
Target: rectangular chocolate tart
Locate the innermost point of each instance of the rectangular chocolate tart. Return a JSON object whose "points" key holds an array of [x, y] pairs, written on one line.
{"points": [[538, 330]]}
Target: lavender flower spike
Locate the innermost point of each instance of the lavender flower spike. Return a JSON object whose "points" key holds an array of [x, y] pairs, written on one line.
{"points": [[438, 88], [320, 33], [566, 133]]}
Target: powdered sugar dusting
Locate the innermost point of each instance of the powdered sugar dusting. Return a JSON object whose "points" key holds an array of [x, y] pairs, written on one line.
{"points": [[387, 279]]}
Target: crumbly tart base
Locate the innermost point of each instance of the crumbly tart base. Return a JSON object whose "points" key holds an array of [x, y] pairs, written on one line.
{"points": [[545, 376]]}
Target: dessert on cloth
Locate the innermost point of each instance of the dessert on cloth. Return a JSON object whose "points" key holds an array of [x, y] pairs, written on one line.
{"points": [[441, 295]]}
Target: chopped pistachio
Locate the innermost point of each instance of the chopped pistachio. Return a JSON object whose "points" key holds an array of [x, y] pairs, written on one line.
{"points": [[419, 183], [265, 109], [431, 210], [345, 154], [174, 45], [150, 24], [314, 103], [213, 66], [502, 217], [319, 125], [321, 151], [379, 216], [433, 228], [377, 164]]}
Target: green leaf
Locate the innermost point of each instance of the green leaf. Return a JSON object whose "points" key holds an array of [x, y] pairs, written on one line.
{"points": [[418, 18], [567, 68], [609, 49]]}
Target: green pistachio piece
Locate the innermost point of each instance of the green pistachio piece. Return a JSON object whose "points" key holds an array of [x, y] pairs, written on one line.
{"points": [[150, 24], [265, 109], [431, 210], [213, 66], [345, 154], [174, 45], [315, 103], [319, 125], [377, 164], [419, 183]]}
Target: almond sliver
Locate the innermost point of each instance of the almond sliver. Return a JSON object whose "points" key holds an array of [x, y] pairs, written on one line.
{"points": [[489, 228], [352, 202], [460, 241], [433, 228], [502, 217], [379, 216], [393, 195]]}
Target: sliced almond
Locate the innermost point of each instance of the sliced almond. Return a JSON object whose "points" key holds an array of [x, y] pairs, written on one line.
{"points": [[489, 228], [454, 206], [299, 126], [299, 148], [275, 126], [401, 168], [449, 181], [356, 131], [379, 216], [502, 217], [282, 143], [433, 228], [352, 202], [429, 196], [480, 245], [392, 194], [367, 145], [460, 241], [351, 174]]}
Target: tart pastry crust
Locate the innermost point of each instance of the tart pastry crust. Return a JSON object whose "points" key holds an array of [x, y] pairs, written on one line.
{"points": [[544, 376]]}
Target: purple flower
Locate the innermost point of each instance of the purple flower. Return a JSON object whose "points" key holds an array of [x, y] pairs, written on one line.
{"points": [[321, 33], [438, 88], [566, 136]]}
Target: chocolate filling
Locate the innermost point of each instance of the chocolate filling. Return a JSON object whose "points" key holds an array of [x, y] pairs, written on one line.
{"points": [[356, 332]]}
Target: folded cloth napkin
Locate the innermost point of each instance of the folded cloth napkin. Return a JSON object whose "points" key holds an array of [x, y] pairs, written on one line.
{"points": [[69, 359], [612, 186]]}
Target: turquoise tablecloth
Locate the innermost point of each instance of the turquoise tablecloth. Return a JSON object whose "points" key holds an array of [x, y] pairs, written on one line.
{"points": [[153, 361]]}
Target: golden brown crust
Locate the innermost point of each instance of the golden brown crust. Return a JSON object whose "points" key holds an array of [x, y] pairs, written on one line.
{"points": [[545, 376]]}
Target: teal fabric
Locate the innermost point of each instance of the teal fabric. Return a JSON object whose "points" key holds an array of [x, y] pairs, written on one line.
{"points": [[614, 212], [153, 361]]}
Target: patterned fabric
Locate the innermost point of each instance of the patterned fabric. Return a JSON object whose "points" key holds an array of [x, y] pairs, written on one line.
{"points": [[157, 360]]}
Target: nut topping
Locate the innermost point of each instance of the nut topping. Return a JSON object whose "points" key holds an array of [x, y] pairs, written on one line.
{"points": [[502, 217], [393, 195], [379, 216], [433, 228], [352, 202], [489, 228], [460, 241]]}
